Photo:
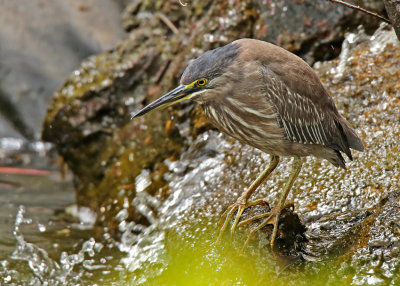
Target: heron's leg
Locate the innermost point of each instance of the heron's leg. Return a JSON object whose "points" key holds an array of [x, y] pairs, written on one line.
{"points": [[263, 215], [241, 203], [276, 211]]}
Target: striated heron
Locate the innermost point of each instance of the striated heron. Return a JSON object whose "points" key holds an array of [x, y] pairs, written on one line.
{"points": [[268, 98]]}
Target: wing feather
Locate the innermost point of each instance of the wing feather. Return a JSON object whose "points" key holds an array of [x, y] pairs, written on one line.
{"points": [[302, 119]]}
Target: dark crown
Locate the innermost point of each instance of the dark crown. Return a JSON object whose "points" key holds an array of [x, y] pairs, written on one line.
{"points": [[211, 64]]}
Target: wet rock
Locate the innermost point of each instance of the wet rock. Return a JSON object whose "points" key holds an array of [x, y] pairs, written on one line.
{"points": [[362, 232], [163, 180], [291, 232], [89, 116], [351, 217]]}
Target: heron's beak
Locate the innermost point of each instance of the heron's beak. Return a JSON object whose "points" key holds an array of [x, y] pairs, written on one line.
{"points": [[176, 95]]}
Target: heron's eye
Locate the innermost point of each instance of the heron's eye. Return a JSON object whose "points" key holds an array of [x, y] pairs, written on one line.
{"points": [[202, 82]]}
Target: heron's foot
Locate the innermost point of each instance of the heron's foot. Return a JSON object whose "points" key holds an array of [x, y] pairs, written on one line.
{"points": [[239, 206], [271, 217]]}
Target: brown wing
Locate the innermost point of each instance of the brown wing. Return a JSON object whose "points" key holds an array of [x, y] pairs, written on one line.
{"points": [[290, 69], [307, 112], [303, 120]]}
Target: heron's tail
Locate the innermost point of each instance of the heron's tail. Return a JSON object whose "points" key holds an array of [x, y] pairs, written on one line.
{"points": [[353, 140]]}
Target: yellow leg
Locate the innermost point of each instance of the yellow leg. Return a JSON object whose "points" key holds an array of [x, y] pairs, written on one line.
{"points": [[260, 216], [241, 203], [276, 211]]}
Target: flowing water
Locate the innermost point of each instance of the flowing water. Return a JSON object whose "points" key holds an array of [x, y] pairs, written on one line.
{"points": [[41, 244], [47, 240]]}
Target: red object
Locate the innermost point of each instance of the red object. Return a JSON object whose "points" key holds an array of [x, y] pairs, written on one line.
{"points": [[22, 171]]}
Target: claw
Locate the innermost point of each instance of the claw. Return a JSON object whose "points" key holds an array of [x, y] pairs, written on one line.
{"points": [[239, 207], [274, 213], [228, 215], [253, 218], [221, 220], [237, 218], [241, 204], [253, 232]]}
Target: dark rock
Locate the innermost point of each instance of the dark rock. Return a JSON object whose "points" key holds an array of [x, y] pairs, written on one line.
{"points": [[41, 43]]}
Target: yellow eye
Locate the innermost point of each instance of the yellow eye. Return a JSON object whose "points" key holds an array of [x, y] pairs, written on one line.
{"points": [[202, 82]]}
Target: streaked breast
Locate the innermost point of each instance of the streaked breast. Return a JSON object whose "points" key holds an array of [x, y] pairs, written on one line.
{"points": [[249, 119]]}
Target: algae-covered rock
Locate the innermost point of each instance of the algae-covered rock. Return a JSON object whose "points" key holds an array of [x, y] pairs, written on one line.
{"points": [[89, 118], [164, 179], [351, 217]]}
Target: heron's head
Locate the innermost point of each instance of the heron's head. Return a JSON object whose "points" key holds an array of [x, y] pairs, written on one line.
{"points": [[202, 75]]}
